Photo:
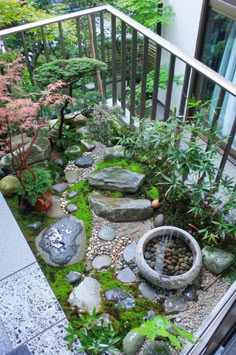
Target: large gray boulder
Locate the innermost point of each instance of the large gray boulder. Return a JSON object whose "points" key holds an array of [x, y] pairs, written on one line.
{"points": [[216, 260], [120, 209], [117, 179], [40, 152], [86, 296], [63, 242]]}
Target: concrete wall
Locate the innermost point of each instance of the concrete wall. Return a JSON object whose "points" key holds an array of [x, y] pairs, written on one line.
{"points": [[182, 32]]}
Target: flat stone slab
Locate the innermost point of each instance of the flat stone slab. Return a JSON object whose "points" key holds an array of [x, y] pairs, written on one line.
{"points": [[85, 161], [71, 207], [101, 262], [107, 233], [117, 179], [86, 296], [216, 260], [120, 209], [63, 242], [55, 211], [126, 275], [129, 252], [88, 145]]}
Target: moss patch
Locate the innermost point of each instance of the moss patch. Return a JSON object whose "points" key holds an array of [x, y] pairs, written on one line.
{"points": [[124, 163], [81, 201]]}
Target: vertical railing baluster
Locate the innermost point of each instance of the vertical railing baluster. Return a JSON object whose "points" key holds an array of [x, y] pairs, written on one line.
{"points": [[144, 77], [123, 65], [114, 72], [226, 151], [202, 87], [27, 57], [95, 35], [133, 75], [61, 39], [44, 44], [184, 93], [156, 82], [169, 87], [78, 31], [103, 51]]}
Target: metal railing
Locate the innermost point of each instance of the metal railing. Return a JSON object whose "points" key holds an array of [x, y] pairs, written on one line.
{"points": [[111, 25]]}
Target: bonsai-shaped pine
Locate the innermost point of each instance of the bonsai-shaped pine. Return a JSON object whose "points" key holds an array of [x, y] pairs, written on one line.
{"points": [[19, 114], [70, 71]]}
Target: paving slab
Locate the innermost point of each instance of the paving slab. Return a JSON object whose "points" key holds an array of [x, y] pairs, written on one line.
{"points": [[5, 344], [51, 342], [15, 252], [28, 305]]}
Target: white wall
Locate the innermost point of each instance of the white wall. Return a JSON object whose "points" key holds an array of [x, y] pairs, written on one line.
{"points": [[182, 32]]}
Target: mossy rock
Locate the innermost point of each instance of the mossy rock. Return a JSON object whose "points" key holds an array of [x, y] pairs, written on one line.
{"points": [[73, 152]]}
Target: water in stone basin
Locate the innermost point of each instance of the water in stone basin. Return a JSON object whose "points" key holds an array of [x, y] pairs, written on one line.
{"points": [[168, 255]]}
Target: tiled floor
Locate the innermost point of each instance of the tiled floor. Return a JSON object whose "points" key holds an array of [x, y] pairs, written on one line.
{"points": [[29, 311]]}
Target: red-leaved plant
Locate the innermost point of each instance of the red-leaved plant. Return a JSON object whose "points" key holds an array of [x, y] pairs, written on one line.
{"points": [[19, 114]]}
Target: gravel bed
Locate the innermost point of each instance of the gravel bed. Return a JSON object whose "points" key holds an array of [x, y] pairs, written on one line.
{"points": [[127, 232]]}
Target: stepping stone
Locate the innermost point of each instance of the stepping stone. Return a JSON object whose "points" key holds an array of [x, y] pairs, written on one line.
{"points": [[86, 296], [34, 225], [115, 294], [72, 194], [88, 145], [63, 242], [216, 260], [85, 161], [147, 291], [127, 303], [175, 304], [126, 275], [60, 187], [107, 233], [132, 342], [116, 179], [55, 211], [71, 207], [129, 252], [72, 176], [73, 277], [101, 262], [124, 209]]}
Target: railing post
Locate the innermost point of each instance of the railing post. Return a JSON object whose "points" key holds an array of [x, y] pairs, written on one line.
{"points": [[156, 82], [103, 51], [184, 93], [44, 44], [133, 75], [169, 87], [114, 79], [123, 65], [144, 77], [61, 38]]}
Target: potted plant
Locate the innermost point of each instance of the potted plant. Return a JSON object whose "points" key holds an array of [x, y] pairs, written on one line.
{"points": [[35, 188]]}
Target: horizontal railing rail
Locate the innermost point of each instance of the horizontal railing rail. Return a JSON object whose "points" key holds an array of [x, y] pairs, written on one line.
{"points": [[124, 63]]}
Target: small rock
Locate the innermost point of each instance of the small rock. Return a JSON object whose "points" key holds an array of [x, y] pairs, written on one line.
{"points": [[55, 210], [126, 275], [115, 293], [155, 203], [71, 176], [101, 262], [216, 260], [129, 252], [60, 187], [107, 233], [150, 315], [159, 220], [73, 277], [147, 255], [157, 347], [85, 161], [127, 303], [132, 342], [190, 292], [72, 194], [88, 145], [34, 225], [147, 291], [9, 185], [59, 162], [71, 207], [175, 304]]}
